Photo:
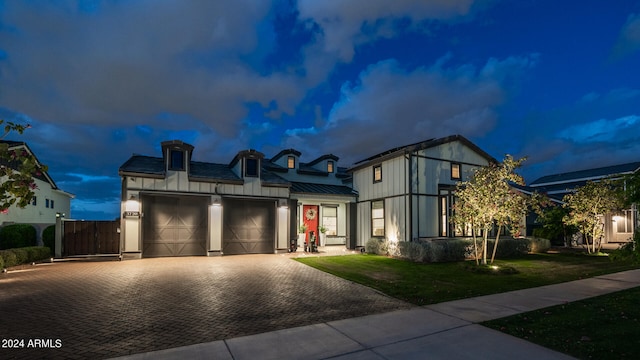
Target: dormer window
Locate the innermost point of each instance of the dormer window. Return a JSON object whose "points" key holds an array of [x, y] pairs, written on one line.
{"points": [[251, 167], [329, 166], [291, 162], [176, 160]]}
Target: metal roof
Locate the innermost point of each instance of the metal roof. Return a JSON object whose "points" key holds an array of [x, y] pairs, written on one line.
{"points": [[583, 175], [323, 189]]}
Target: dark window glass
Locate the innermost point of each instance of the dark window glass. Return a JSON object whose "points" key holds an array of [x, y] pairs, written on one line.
{"points": [[251, 167], [177, 160]]}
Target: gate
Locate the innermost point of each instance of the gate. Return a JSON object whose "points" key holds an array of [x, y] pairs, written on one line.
{"points": [[90, 237]]}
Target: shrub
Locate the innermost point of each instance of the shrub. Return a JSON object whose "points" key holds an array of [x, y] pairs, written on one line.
{"points": [[13, 257], [446, 250], [539, 245], [509, 248], [412, 251], [49, 237], [9, 258], [629, 251], [17, 236], [377, 246]]}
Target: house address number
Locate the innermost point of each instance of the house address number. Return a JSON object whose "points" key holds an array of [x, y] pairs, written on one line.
{"points": [[131, 214]]}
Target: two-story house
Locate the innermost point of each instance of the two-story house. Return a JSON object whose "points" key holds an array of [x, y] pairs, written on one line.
{"points": [[48, 202], [407, 192]]}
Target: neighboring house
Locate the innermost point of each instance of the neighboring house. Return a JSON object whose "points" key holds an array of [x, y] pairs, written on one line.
{"points": [[48, 202], [173, 206], [407, 193], [618, 227]]}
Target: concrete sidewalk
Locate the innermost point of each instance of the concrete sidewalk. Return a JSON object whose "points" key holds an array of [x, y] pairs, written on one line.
{"points": [[441, 331]]}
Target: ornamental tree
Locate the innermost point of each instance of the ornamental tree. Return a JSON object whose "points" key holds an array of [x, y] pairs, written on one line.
{"points": [[587, 206], [18, 169], [487, 199]]}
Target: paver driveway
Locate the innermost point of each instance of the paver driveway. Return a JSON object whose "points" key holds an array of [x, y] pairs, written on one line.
{"points": [[110, 308]]}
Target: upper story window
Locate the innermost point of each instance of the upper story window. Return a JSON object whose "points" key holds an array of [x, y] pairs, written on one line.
{"points": [[34, 200], [291, 162], [377, 173], [46, 203], [455, 171], [177, 160], [251, 167], [330, 166], [52, 204]]}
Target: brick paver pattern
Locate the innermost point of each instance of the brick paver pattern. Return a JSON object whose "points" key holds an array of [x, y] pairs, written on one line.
{"points": [[102, 309]]}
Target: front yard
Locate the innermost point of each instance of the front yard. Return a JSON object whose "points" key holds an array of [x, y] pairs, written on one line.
{"points": [[424, 284]]}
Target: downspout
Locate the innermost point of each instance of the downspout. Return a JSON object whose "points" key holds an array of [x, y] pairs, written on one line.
{"points": [[410, 194]]}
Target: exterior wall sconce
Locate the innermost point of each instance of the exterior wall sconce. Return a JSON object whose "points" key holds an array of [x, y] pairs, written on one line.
{"points": [[282, 204], [216, 200]]}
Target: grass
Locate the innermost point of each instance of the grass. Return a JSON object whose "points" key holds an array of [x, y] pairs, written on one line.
{"points": [[423, 284], [604, 327]]}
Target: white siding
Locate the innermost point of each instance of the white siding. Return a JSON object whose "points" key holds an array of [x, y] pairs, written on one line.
{"points": [[393, 180], [40, 213]]}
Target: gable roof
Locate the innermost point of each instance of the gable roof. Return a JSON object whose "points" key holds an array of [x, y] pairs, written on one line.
{"points": [[324, 189], [401, 150], [43, 176]]}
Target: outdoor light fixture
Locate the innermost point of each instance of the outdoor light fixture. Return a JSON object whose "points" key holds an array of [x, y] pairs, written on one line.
{"points": [[216, 200], [133, 197], [282, 203]]}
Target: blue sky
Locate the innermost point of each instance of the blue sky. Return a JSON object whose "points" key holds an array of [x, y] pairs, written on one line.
{"points": [[556, 81]]}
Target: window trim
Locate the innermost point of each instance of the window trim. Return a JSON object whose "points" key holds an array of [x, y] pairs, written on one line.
{"points": [[379, 166], [332, 206], [330, 166], [459, 166], [291, 162], [384, 230]]}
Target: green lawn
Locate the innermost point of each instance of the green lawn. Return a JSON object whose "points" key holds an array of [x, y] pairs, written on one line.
{"points": [[423, 284], [604, 327]]}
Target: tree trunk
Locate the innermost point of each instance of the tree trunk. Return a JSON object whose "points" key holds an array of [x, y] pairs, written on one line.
{"points": [[495, 245], [484, 247], [475, 248]]}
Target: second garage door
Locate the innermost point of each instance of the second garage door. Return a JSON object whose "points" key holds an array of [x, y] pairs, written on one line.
{"points": [[249, 227], [174, 225]]}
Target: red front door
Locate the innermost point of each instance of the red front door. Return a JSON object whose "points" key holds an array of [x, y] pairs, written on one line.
{"points": [[310, 217]]}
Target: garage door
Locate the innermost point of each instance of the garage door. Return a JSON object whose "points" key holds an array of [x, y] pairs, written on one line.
{"points": [[174, 225], [249, 227]]}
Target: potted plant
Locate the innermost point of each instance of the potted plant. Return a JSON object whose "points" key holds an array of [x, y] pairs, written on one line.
{"points": [[323, 231], [302, 234]]}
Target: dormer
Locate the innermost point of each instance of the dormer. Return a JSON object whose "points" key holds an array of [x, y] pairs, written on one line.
{"points": [[176, 155], [286, 160], [325, 163], [247, 164]]}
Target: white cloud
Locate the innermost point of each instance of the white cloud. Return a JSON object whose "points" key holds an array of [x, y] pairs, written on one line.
{"points": [[390, 103], [602, 130]]}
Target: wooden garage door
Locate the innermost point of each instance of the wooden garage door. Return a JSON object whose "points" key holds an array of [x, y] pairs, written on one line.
{"points": [[174, 225], [249, 227]]}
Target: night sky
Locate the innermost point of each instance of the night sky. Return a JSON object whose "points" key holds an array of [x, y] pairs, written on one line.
{"points": [[557, 81]]}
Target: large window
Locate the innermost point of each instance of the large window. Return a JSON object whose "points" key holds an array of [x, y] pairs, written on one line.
{"points": [[177, 160], [377, 173], [291, 162], [330, 220], [377, 218]]}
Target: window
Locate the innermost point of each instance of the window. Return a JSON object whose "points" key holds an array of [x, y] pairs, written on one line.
{"points": [[291, 162], [377, 218], [330, 166], [330, 219], [46, 203], [377, 173], [34, 200], [251, 167], [177, 160], [52, 204], [455, 171]]}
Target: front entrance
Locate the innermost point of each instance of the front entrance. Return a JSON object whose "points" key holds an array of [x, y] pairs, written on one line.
{"points": [[310, 218]]}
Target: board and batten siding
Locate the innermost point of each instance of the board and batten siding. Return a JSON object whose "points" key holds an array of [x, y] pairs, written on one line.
{"points": [[394, 172], [178, 181]]}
